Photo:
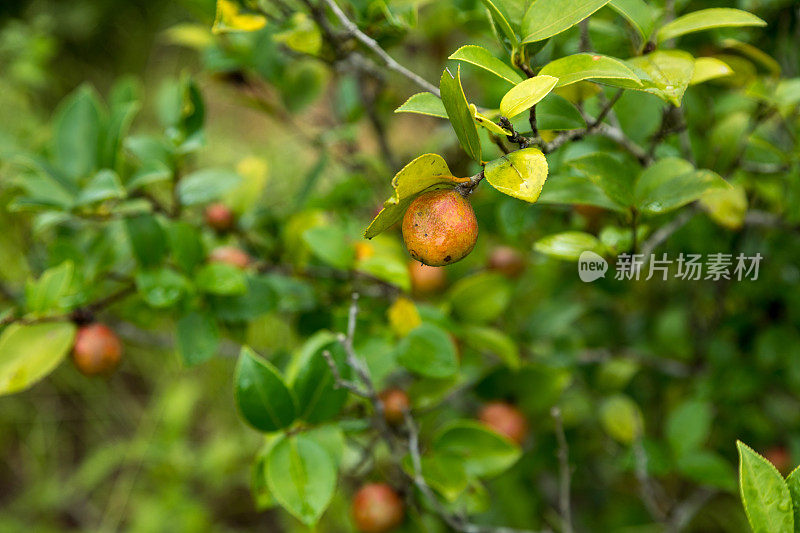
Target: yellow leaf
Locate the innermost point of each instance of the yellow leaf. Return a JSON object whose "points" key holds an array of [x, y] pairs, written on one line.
{"points": [[520, 174], [230, 18], [726, 207], [403, 316], [526, 94]]}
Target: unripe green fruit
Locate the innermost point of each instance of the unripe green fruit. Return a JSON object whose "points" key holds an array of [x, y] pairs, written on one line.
{"points": [[377, 508], [97, 350], [505, 419], [439, 228]]}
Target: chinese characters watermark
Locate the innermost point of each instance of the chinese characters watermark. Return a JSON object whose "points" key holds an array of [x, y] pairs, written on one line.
{"points": [[689, 267]]}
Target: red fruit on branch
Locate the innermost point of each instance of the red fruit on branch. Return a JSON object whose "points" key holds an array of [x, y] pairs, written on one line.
{"points": [[219, 217], [507, 261], [779, 456], [440, 228], [230, 255], [506, 420], [395, 404], [97, 350], [377, 508]]}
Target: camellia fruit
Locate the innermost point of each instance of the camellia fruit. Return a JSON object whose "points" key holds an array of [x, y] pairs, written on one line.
{"points": [[439, 228], [219, 217], [426, 279], [780, 458], [506, 420], [97, 350], [395, 404], [377, 508], [230, 255], [507, 261]]}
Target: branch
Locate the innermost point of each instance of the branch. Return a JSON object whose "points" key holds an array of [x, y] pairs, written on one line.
{"points": [[647, 490], [564, 475], [370, 43]]}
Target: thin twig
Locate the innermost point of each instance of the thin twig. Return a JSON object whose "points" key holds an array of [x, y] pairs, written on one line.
{"points": [[564, 474], [370, 43], [647, 491]]}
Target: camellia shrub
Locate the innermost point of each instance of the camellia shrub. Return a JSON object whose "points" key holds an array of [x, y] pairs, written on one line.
{"points": [[579, 291]]}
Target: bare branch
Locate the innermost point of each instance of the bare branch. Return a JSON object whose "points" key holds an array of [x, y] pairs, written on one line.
{"points": [[647, 490], [370, 43], [339, 381]]}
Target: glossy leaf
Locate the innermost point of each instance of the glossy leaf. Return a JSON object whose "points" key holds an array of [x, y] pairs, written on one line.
{"points": [[546, 18], [688, 426], [569, 245], [76, 134], [664, 73], [28, 353], [555, 112], [483, 452], [638, 13], [525, 95], [428, 350], [301, 475], [485, 122], [458, 111], [312, 382], [520, 174], [147, 239], [793, 483], [615, 178], [709, 68], [726, 207], [445, 474], [480, 297], [671, 183], [578, 67], [706, 19], [160, 287], [104, 185], [492, 341], [481, 57], [206, 185], [51, 292], [502, 22], [423, 104], [569, 190], [221, 278], [262, 397], [428, 172], [198, 337], [764, 493]]}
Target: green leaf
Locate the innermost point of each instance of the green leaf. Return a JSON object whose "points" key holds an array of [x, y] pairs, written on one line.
{"points": [[578, 67], [263, 399], [444, 473], [231, 17], [221, 279], [546, 18], [664, 73], [481, 57], [610, 174], [569, 190], [186, 244], [301, 475], [51, 292], [793, 483], [147, 238], [486, 122], [160, 287], [331, 244], [424, 104], [458, 111], [205, 185], [569, 245], [726, 207], [105, 185], [261, 297], [640, 15], [621, 418], [706, 19], [765, 495], [429, 351], [28, 353], [688, 426], [555, 112], [312, 382], [198, 337], [426, 173], [709, 68], [483, 452], [525, 95], [708, 469], [115, 129], [671, 183], [493, 341], [520, 174], [76, 132], [480, 297], [501, 21]]}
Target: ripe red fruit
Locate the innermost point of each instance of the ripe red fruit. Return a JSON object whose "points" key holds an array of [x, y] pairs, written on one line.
{"points": [[395, 404], [425, 279], [505, 419], [507, 261], [230, 255], [97, 350], [439, 228], [377, 508], [219, 217], [779, 456]]}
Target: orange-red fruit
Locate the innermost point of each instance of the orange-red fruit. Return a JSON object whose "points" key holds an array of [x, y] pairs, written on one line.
{"points": [[97, 350], [219, 217], [439, 228], [395, 404], [779, 456], [377, 508], [230, 255], [505, 419], [426, 279], [507, 261]]}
